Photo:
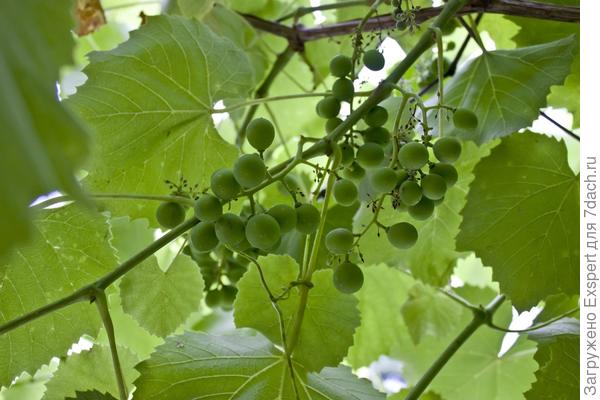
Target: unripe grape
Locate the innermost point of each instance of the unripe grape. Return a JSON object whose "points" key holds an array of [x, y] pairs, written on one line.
{"points": [[285, 216], [370, 155], [373, 60], [213, 298], [348, 277], [410, 193], [262, 231], [378, 135], [260, 133], [208, 208], [377, 116], [170, 214], [446, 171], [413, 155], [332, 123], [347, 153], [384, 179], [339, 241], [402, 235], [345, 192], [308, 218], [229, 229], [422, 210], [224, 185], [343, 89], [353, 171], [328, 107], [433, 186], [447, 149], [340, 66], [249, 170], [228, 297], [464, 119], [203, 237]]}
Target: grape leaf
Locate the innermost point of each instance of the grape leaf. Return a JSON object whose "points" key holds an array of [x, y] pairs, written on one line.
{"points": [[329, 320], [162, 301], [156, 91], [241, 366], [70, 249], [42, 144], [381, 321], [506, 88], [92, 395], [427, 312], [522, 218], [437, 232], [549, 333], [90, 370], [558, 376]]}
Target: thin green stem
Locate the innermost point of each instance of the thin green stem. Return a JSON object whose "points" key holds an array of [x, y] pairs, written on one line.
{"points": [[358, 35], [479, 319], [440, 72], [535, 327], [87, 292], [102, 304], [463, 302], [282, 140], [263, 100], [472, 29], [302, 11], [186, 201]]}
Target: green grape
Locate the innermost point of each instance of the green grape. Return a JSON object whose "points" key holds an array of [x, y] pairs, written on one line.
{"points": [[410, 193], [370, 155], [345, 192], [292, 182], [208, 208], [446, 171], [339, 241], [213, 298], [377, 116], [187, 250], [202, 258], [249, 170], [340, 66], [384, 179], [402, 176], [450, 46], [203, 237], [464, 119], [229, 229], [285, 216], [170, 214], [353, 171], [343, 89], [348, 277], [373, 60], [244, 245], [422, 210], [262, 231], [332, 123], [347, 153], [224, 185], [413, 155], [260, 133], [229, 294], [328, 107], [308, 218], [433, 186], [449, 26], [447, 149], [402, 235], [378, 135], [235, 271]]}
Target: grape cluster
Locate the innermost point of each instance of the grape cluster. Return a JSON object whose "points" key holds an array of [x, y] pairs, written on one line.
{"points": [[415, 172]]}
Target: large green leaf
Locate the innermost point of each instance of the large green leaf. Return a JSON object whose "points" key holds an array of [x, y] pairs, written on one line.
{"points": [[522, 218], [42, 143], [506, 88], [91, 370], [558, 376], [437, 232], [329, 320], [238, 366], [162, 301], [70, 249], [150, 101]]}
